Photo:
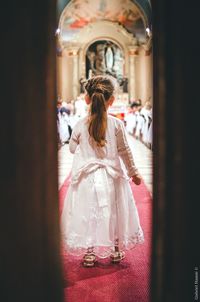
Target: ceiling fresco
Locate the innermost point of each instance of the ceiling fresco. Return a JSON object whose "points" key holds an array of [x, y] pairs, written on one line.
{"points": [[79, 14], [144, 5]]}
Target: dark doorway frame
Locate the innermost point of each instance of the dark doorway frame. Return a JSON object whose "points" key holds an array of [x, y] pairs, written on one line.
{"points": [[30, 242], [176, 251]]}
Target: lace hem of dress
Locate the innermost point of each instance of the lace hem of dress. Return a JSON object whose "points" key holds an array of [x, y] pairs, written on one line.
{"points": [[72, 247]]}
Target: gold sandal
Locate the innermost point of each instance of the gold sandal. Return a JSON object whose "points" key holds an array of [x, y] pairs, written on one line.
{"points": [[89, 260], [116, 257]]}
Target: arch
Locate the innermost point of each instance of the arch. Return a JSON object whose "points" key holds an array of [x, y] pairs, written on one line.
{"points": [[108, 38], [104, 25], [119, 36]]}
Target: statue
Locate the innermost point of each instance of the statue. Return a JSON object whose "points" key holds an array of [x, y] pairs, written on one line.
{"points": [[82, 82], [105, 58], [109, 59], [91, 56], [100, 59], [118, 62]]}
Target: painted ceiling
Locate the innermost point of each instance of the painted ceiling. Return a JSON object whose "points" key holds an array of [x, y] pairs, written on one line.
{"points": [[80, 13], [144, 6]]}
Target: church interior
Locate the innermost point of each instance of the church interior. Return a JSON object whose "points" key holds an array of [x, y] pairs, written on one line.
{"points": [[108, 38], [105, 37], [49, 48]]}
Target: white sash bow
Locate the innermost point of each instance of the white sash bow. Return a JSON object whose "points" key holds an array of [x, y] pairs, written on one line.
{"points": [[101, 170]]}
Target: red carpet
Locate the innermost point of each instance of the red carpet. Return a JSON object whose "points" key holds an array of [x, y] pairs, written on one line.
{"points": [[125, 282]]}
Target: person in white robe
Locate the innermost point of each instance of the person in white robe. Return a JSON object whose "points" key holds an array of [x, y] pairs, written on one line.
{"points": [[145, 127], [150, 130], [131, 118], [139, 125], [63, 124]]}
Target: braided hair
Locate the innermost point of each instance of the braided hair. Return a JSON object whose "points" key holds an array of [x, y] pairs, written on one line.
{"points": [[99, 90]]}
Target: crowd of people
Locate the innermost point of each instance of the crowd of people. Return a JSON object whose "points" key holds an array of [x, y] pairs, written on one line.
{"points": [[138, 119], [139, 122], [68, 113]]}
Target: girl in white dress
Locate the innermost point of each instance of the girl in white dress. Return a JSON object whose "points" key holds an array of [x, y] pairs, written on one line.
{"points": [[99, 216]]}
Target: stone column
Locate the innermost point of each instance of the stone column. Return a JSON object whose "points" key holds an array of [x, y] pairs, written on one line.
{"points": [[59, 68], [133, 52], [69, 73], [148, 79], [31, 264], [59, 62], [75, 81]]}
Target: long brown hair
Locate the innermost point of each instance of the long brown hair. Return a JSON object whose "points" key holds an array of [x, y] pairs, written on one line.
{"points": [[99, 90]]}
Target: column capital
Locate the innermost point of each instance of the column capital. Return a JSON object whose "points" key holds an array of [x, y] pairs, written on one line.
{"points": [[59, 47], [148, 46], [133, 50], [73, 51], [67, 50]]}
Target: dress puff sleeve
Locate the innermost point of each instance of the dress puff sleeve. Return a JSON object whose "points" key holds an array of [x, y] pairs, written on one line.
{"points": [[74, 140], [124, 150]]}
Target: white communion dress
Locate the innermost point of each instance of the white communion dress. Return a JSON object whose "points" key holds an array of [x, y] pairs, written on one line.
{"points": [[99, 209]]}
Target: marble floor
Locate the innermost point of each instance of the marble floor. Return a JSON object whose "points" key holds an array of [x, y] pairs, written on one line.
{"points": [[142, 156]]}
